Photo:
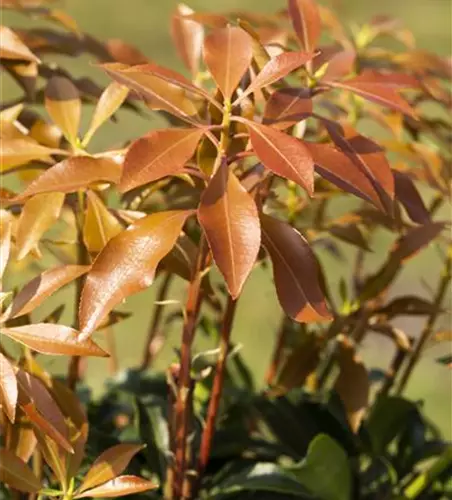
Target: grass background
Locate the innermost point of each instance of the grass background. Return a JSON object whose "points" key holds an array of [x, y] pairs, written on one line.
{"points": [[145, 23]]}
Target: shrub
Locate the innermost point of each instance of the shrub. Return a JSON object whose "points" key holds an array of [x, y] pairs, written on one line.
{"points": [[264, 161]]}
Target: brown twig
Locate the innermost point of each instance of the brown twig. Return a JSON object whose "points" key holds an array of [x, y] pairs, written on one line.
{"points": [[277, 353], [394, 368]]}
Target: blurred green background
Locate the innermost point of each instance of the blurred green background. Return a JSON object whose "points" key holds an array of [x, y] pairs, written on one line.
{"points": [[145, 23]]}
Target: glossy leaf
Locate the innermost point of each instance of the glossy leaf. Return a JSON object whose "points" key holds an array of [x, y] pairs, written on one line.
{"points": [[227, 54], [127, 264], [64, 106], [158, 154], [122, 485], [48, 338], [109, 102], [6, 223], [305, 18], [228, 216], [110, 464], [284, 155], [43, 286], [77, 172], [8, 388], [16, 473], [100, 225], [12, 47], [409, 197], [278, 67], [286, 107], [352, 384], [188, 36], [295, 271], [39, 214]]}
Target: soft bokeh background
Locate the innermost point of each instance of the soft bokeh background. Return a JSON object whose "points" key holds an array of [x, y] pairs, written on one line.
{"points": [[145, 23]]}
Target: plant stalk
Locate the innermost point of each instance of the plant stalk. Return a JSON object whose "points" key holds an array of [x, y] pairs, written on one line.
{"points": [[277, 353]]}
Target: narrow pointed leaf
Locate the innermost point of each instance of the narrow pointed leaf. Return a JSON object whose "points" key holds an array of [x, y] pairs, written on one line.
{"points": [[16, 473], [305, 18], [109, 102], [228, 53], [127, 264], [43, 286], [6, 223], [77, 172], [110, 464], [12, 47], [100, 225], [8, 388], [48, 338], [159, 154], [228, 216], [284, 155], [410, 198], [118, 487], [415, 240], [188, 37], [295, 271], [39, 214], [278, 67], [286, 107], [64, 106]]}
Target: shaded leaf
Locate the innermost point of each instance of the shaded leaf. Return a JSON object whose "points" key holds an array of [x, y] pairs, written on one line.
{"points": [[122, 485], [158, 154], [12, 47], [284, 155], [295, 271], [39, 214], [305, 18], [127, 264], [409, 197], [227, 54], [110, 464], [16, 473], [286, 107], [228, 216], [42, 287], [8, 388], [415, 239], [351, 233], [409, 305], [99, 224], [48, 338]]}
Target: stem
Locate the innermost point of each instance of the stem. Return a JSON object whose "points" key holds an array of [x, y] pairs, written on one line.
{"points": [[214, 404], [394, 368], [156, 321], [428, 329], [111, 345], [277, 353]]}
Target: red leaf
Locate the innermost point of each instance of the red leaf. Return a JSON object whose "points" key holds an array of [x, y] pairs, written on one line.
{"points": [[8, 388], [127, 264], [295, 271], [283, 154], [118, 487], [341, 64], [286, 107], [228, 215], [393, 80], [278, 67], [159, 154], [410, 198], [16, 473], [306, 22], [228, 53]]}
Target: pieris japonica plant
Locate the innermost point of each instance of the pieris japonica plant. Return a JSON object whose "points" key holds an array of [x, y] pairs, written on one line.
{"points": [[267, 135]]}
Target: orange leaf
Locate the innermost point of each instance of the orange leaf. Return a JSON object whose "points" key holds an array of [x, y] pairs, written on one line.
{"points": [[21, 438], [158, 154], [122, 485], [228, 215], [12, 47], [295, 271], [305, 18], [227, 54], [48, 338], [16, 473], [286, 107], [127, 264], [8, 388], [109, 465], [5, 239], [283, 154]]}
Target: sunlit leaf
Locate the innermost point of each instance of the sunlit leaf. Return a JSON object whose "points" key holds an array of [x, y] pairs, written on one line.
{"points": [[284, 155], [64, 106], [12, 47], [20, 438], [48, 338], [228, 53], [228, 215], [39, 214], [122, 485], [100, 225], [341, 64], [16, 473], [295, 271], [158, 154], [8, 388], [6, 222], [127, 264], [305, 18], [125, 53], [286, 107], [110, 464]]}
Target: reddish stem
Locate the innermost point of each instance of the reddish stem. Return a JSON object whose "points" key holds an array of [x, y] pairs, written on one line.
{"points": [[277, 353]]}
